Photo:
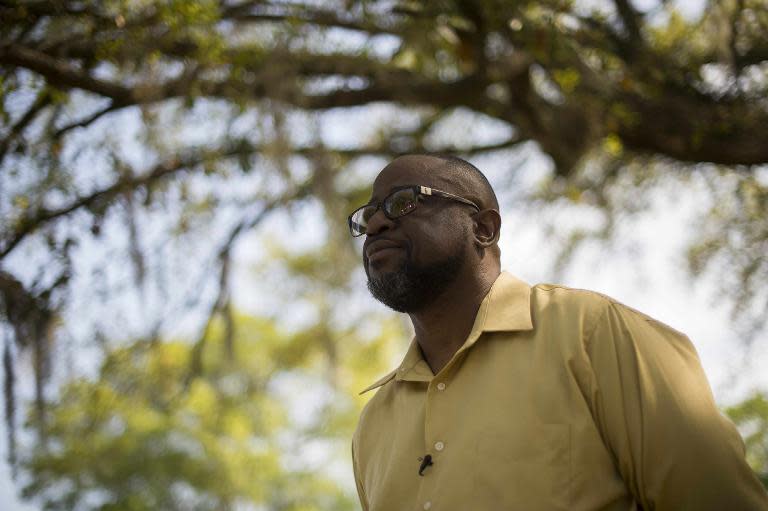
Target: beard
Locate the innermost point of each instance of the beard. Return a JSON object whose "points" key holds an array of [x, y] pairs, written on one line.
{"points": [[412, 287]]}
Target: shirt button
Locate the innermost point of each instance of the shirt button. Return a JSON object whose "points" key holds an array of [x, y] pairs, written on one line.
{"points": [[441, 386], [439, 446], [427, 505]]}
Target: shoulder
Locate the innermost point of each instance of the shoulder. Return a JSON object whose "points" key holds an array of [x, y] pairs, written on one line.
{"points": [[557, 302], [587, 310]]}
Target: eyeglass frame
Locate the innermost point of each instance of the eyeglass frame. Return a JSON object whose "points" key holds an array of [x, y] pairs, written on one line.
{"points": [[420, 191]]}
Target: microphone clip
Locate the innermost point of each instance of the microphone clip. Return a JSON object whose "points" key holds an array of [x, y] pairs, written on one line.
{"points": [[426, 461]]}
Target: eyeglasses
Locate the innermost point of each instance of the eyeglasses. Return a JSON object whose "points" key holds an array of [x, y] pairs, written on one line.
{"points": [[399, 203]]}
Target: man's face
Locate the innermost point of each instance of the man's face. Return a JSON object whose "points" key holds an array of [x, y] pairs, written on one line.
{"points": [[411, 260]]}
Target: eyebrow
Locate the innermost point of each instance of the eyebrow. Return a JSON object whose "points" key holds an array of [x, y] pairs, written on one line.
{"points": [[392, 189]]}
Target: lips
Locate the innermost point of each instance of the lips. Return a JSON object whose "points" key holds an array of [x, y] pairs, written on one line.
{"points": [[381, 247]]}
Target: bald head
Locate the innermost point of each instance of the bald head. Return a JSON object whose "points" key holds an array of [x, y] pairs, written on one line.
{"points": [[451, 174], [474, 180]]}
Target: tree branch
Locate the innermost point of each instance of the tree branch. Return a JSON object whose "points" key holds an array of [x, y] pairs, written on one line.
{"points": [[9, 392], [631, 19], [31, 316], [62, 74], [102, 198], [43, 100], [82, 123], [414, 90], [41, 8], [249, 12], [692, 130], [734, 35], [221, 304]]}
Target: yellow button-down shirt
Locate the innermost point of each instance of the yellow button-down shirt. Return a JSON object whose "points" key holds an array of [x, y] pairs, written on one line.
{"points": [[559, 399]]}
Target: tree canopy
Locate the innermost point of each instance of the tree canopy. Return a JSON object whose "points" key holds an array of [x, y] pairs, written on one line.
{"points": [[144, 140], [752, 416], [149, 434]]}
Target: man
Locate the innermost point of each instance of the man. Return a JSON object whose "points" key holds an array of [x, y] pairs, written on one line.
{"points": [[513, 397]]}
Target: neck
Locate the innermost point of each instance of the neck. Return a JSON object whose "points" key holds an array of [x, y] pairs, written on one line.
{"points": [[442, 327]]}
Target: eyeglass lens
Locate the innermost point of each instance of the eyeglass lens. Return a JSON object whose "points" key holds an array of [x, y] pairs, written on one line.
{"points": [[395, 205]]}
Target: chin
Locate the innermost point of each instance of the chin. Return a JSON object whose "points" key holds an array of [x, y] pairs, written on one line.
{"points": [[383, 267]]}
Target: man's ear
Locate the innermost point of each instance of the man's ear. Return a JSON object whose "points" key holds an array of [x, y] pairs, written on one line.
{"points": [[487, 227]]}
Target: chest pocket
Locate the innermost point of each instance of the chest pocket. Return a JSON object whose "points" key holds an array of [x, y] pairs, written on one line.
{"points": [[523, 470]]}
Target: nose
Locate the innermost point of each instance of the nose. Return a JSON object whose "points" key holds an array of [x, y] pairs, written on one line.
{"points": [[378, 223]]}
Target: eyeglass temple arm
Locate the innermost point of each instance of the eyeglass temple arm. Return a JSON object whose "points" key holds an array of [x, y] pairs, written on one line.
{"points": [[439, 193]]}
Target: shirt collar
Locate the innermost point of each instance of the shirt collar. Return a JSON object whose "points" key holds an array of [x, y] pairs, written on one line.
{"points": [[506, 308]]}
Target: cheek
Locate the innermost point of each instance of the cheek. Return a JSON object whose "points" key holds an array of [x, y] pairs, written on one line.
{"points": [[440, 240]]}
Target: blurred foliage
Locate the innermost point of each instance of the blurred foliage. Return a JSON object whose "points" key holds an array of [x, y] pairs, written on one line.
{"points": [[751, 415], [734, 234], [150, 149], [148, 434]]}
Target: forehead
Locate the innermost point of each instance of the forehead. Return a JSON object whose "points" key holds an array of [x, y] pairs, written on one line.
{"points": [[413, 170]]}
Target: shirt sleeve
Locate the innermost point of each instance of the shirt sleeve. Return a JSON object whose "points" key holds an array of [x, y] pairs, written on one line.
{"points": [[358, 481], [656, 412]]}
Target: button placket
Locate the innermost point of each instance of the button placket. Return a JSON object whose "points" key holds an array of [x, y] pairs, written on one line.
{"points": [[435, 430], [427, 483]]}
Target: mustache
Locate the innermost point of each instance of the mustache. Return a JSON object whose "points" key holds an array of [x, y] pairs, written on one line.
{"points": [[384, 242]]}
